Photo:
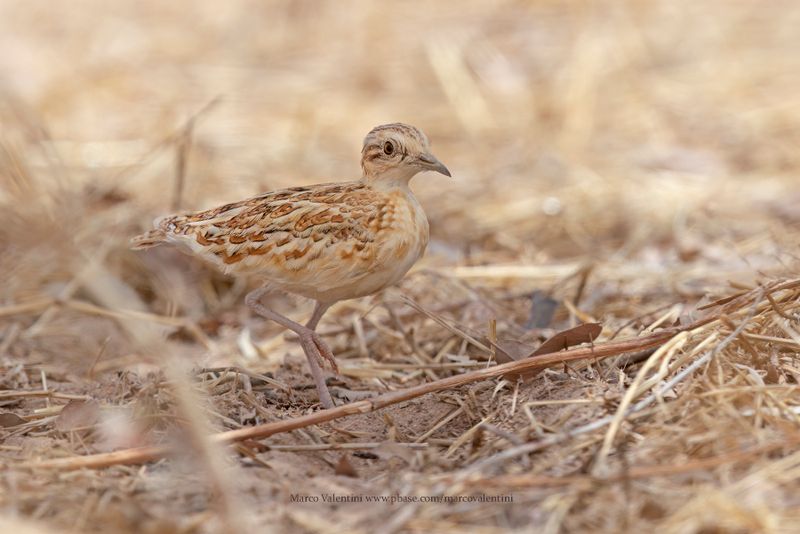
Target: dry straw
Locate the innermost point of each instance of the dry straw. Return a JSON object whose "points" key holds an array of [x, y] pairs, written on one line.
{"points": [[627, 163]]}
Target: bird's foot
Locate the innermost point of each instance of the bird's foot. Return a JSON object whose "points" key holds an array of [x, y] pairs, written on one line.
{"points": [[317, 353], [312, 342]]}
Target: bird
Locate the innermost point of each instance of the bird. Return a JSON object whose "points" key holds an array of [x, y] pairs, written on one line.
{"points": [[327, 242]]}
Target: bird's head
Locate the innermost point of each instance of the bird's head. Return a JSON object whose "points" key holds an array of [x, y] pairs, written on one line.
{"points": [[394, 153]]}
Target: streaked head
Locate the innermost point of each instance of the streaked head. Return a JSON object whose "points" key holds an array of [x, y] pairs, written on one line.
{"points": [[396, 152]]}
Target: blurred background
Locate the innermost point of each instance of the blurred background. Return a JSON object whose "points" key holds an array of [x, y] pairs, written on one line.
{"points": [[655, 143], [652, 140], [563, 122]]}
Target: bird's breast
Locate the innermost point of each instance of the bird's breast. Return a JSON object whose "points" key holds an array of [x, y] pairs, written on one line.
{"points": [[406, 232]]}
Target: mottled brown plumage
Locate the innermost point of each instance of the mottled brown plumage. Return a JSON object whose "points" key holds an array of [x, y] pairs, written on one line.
{"points": [[327, 242]]}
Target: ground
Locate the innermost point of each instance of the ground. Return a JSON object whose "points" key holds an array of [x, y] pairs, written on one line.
{"points": [[632, 164]]}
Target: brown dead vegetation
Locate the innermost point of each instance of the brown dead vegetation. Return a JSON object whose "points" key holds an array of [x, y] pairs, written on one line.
{"points": [[633, 164]]}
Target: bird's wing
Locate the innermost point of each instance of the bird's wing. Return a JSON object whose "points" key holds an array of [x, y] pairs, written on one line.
{"points": [[291, 236]]}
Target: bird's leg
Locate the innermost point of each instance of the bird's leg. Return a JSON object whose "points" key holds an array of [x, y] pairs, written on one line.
{"points": [[324, 351], [313, 346]]}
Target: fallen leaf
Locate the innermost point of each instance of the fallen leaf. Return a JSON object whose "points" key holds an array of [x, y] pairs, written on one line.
{"points": [[345, 468], [509, 350], [583, 333], [78, 414], [8, 419]]}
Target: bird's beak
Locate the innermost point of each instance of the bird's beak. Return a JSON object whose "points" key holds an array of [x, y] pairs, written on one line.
{"points": [[430, 163]]}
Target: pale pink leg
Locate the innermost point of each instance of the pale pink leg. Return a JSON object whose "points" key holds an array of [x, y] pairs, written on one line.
{"points": [[317, 352]]}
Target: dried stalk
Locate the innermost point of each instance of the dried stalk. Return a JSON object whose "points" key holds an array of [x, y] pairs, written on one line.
{"points": [[148, 454]]}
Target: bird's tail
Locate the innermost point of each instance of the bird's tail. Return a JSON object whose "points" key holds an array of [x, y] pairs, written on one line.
{"points": [[153, 238]]}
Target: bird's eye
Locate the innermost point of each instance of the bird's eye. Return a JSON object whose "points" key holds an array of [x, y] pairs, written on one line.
{"points": [[388, 148]]}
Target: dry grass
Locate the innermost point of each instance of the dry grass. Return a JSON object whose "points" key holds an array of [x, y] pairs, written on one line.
{"points": [[631, 160]]}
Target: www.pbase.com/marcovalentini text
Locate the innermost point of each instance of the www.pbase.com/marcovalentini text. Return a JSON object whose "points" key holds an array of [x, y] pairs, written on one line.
{"points": [[397, 498]]}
